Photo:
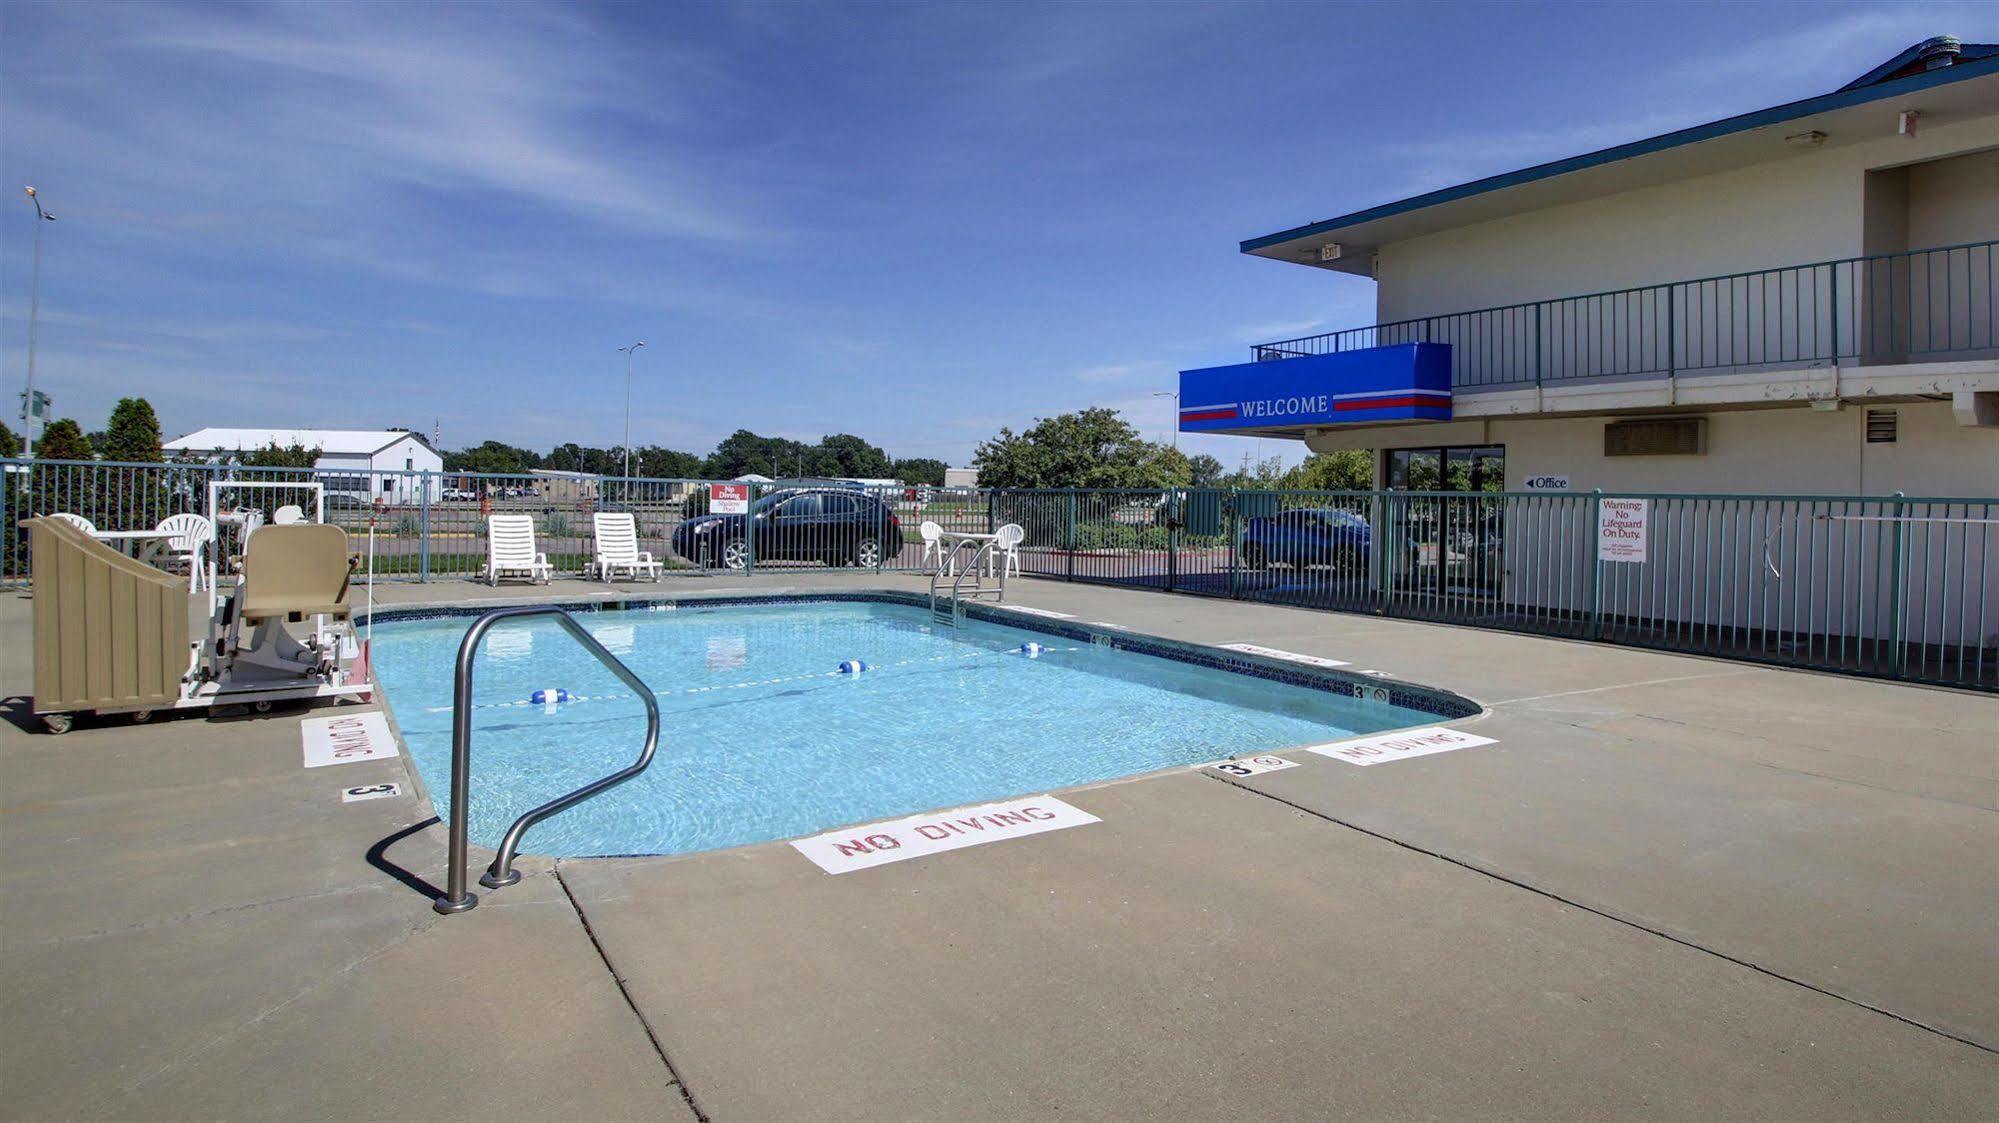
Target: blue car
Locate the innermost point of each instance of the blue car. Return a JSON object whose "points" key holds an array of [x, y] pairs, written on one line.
{"points": [[1306, 536]]}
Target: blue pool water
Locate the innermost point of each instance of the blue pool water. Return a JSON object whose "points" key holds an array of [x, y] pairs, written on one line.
{"points": [[762, 739]]}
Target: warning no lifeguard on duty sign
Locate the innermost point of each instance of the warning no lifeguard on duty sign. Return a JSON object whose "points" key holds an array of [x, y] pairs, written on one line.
{"points": [[877, 844]]}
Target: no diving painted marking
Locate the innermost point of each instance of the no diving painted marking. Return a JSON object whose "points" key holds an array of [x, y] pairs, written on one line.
{"points": [[877, 844], [1251, 765], [1401, 746], [1290, 656], [344, 740], [1037, 611], [369, 791]]}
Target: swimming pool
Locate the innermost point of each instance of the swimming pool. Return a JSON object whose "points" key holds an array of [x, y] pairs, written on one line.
{"points": [[764, 738]]}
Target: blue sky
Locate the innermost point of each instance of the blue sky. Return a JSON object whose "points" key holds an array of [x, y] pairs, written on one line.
{"points": [[912, 222]]}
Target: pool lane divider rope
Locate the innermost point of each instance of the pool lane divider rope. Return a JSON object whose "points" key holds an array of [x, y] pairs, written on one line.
{"points": [[550, 699]]}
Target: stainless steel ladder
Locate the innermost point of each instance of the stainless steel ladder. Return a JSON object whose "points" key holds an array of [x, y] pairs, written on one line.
{"points": [[502, 873], [950, 611]]}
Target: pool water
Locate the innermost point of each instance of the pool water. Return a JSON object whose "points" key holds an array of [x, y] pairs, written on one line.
{"points": [[762, 738]]}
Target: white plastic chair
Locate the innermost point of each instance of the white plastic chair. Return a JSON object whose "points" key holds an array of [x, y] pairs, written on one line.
{"points": [[287, 515], [1006, 543], [933, 543], [510, 551], [618, 547], [77, 521], [192, 536]]}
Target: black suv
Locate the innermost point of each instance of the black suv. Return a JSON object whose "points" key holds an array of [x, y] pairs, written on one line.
{"points": [[833, 525]]}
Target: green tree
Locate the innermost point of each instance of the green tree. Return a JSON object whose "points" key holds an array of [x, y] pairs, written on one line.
{"points": [[63, 439], [10, 442], [492, 456], [919, 470], [654, 462], [275, 455], [843, 454], [133, 433], [1347, 470], [1204, 470], [743, 452], [1091, 448]]}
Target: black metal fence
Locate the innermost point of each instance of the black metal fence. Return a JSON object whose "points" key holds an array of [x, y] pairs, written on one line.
{"points": [[1925, 304], [1892, 586]]}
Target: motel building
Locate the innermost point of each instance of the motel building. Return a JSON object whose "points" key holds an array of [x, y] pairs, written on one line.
{"points": [[1798, 301]]}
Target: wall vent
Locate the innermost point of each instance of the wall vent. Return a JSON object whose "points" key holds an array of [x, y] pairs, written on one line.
{"points": [[1880, 426], [1665, 436]]}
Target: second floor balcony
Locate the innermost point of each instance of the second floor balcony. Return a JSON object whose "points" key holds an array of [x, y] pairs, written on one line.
{"points": [[1922, 306]]}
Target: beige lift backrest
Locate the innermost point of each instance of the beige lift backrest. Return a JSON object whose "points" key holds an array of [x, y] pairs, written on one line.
{"points": [[110, 632], [298, 570]]}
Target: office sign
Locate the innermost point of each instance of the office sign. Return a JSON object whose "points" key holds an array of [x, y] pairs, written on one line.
{"points": [[729, 499], [1547, 483], [1404, 382], [1622, 529]]}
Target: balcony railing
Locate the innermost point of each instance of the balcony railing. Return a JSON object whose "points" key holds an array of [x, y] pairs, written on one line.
{"points": [[1906, 307]]}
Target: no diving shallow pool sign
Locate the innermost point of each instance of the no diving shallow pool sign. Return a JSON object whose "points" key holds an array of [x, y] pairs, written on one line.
{"points": [[877, 844], [729, 499], [1401, 746], [345, 740]]}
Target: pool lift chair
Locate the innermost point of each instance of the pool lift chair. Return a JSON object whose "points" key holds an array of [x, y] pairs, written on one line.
{"points": [[112, 635]]}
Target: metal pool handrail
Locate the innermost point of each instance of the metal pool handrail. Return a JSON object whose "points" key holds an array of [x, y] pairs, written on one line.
{"points": [[501, 873], [948, 564]]}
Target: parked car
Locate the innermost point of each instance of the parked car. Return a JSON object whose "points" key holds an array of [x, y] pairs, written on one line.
{"points": [[833, 525], [1305, 536]]}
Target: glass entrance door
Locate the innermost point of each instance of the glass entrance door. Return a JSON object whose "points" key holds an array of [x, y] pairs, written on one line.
{"points": [[1452, 542]]}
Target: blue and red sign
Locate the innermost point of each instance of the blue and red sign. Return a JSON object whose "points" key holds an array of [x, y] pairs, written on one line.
{"points": [[1403, 382]]}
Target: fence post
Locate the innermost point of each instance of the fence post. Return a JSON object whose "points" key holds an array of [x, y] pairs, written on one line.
{"points": [[991, 516], [1672, 333], [1898, 610], [1071, 574], [423, 532], [1540, 311], [1235, 568], [1595, 564], [1833, 306], [1172, 542], [750, 532]]}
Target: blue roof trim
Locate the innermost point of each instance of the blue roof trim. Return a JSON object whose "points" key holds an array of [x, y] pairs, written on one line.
{"points": [[1965, 52], [1838, 99]]}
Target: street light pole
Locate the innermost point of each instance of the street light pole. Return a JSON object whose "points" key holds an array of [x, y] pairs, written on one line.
{"points": [[34, 314], [629, 352], [1175, 395]]}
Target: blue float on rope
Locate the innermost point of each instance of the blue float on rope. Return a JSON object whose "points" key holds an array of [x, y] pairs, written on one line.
{"points": [[1031, 650], [548, 697], [852, 667]]}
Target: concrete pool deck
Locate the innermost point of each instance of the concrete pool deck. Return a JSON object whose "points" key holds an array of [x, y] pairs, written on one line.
{"points": [[1675, 886]]}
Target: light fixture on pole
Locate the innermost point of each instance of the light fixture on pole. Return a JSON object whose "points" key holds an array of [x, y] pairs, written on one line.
{"points": [[628, 353], [31, 408], [1175, 395]]}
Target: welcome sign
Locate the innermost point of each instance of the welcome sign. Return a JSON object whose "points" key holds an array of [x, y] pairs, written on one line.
{"points": [[1404, 382]]}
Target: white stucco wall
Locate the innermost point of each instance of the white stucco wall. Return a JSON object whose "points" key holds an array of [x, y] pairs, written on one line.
{"points": [[1956, 200], [1801, 207]]}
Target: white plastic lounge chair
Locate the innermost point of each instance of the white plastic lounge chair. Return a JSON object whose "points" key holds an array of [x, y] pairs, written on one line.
{"points": [[192, 537], [618, 547], [1006, 543], [510, 551], [288, 515], [77, 521], [933, 543]]}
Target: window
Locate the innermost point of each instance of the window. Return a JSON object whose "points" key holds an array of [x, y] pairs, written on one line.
{"points": [[837, 504], [800, 507], [409, 463]]}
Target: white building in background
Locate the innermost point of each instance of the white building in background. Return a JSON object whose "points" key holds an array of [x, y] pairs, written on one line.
{"points": [[376, 464], [1800, 299]]}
